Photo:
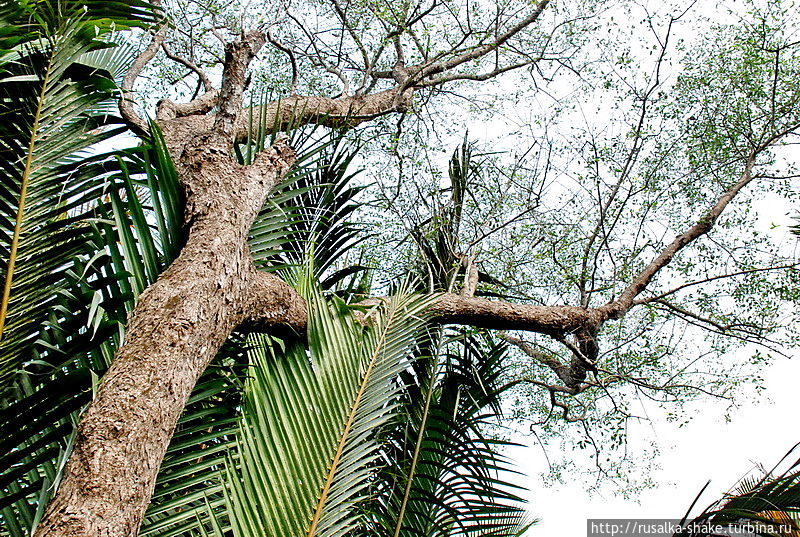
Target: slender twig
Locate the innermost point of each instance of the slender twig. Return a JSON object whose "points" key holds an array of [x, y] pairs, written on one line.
{"points": [[207, 85]]}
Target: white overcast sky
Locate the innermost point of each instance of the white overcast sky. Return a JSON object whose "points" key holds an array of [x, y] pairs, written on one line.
{"points": [[708, 448]]}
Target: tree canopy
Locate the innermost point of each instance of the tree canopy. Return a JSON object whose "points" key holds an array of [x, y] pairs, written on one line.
{"points": [[287, 346]]}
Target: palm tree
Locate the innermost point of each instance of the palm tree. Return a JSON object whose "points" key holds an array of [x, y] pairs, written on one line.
{"points": [[766, 504], [369, 424]]}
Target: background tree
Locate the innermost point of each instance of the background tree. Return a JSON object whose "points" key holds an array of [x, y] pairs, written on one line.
{"points": [[631, 133], [213, 286]]}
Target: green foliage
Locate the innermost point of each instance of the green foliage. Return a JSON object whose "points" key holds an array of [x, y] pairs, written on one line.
{"points": [[78, 337], [767, 505], [49, 100], [444, 474]]}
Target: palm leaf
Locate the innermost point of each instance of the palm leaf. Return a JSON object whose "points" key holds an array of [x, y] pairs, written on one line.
{"points": [[769, 501], [308, 437], [445, 476], [85, 324], [49, 103], [310, 214]]}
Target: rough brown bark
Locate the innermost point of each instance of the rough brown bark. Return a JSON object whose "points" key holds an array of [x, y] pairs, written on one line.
{"points": [[501, 315], [293, 111], [177, 327]]}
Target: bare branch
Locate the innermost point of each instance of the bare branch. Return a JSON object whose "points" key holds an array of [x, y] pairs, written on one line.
{"points": [[317, 58], [126, 107], [686, 313], [353, 34], [477, 77], [429, 69], [207, 85], [292, 59], [711, 279], [619, 307], [542, 357]]}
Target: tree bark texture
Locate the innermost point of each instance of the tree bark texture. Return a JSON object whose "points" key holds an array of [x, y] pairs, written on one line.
{"points": [[182, 320], [176, 329], [350, 110]]}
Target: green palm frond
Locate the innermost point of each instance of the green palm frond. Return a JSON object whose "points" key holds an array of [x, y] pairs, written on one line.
{"points": [[308, 214], [32, 450], [50, 105], [443, 475], [311, 213], [771, 500], [326, 207], [309, 437], [135, 233], [131, 239]]}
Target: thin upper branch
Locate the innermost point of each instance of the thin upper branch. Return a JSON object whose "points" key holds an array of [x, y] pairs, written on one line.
{"points": [[711, 279], [207, 85], [451, 77], [126, 105], [619, 307], [278, 45], [429, 69], [625, 170]]}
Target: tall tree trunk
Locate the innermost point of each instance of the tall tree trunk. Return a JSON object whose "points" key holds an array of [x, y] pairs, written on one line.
{"points": [[177, 327], [183, 319]]}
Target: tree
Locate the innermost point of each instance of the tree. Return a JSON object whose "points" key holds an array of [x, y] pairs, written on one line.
{"points": [[762, 504], [384, 60]]}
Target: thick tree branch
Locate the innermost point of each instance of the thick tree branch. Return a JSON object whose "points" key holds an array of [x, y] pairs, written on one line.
{"points": [[619, 307], [346, 111], [238, 55], [450, 308], [170, 110], [497, 314]]}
